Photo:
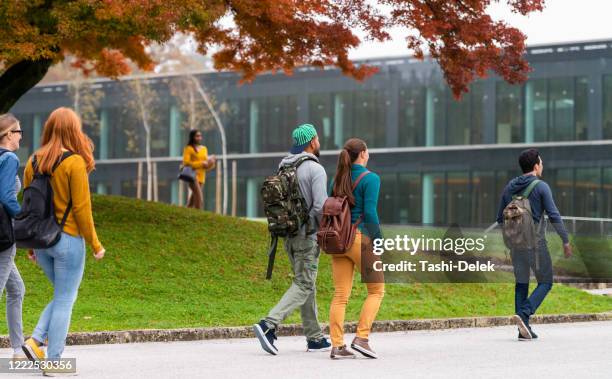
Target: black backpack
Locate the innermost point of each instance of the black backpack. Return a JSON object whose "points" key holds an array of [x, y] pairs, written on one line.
{"points": [[36, 226], [7, 237]]}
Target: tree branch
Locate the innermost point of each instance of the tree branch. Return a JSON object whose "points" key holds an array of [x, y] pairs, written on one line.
{"points": [[19, 79]]}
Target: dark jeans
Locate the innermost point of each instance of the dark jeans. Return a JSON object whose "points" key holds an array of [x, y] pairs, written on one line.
{"points": [[524, 262]]}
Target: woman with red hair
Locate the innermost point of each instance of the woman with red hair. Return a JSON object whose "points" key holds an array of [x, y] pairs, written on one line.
{"points": [[66, 155]]}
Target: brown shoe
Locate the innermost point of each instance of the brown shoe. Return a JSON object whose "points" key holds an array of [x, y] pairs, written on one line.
{"points": [[361, 345], [341, 353]]}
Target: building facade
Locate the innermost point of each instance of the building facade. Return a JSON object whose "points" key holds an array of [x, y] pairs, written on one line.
{"points": [[441, 161]]}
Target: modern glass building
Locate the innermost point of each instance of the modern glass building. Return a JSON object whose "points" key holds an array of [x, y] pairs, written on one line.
{"points": [[441, 161]]}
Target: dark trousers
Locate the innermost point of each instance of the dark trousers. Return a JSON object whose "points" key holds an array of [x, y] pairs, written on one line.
{"points": [[536, 260]]}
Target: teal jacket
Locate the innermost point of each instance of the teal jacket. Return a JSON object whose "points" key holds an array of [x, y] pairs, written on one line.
{"points": [[366, 201]]}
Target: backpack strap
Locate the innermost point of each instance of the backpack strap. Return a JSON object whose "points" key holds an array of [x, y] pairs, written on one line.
{"points": [[530, 188], [361, 176], [65, 155], [359, 179], [298, 162]]}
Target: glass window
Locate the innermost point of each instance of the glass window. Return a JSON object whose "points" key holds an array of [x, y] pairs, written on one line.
{"points": [[581, 109], [412, 116], [588, 192], [438, 97], [409, 206], [561, 109], [458, 198], [508, 113], [607, 193], [234, 114], [126, 133], [276, 119], [459, 123], [536, 110], [556, 109], [607, 107], [477, 110], [439, 198], [322, 113], [563, 189], [364, 116], [465, 117], [484, 198], [388, 199]]}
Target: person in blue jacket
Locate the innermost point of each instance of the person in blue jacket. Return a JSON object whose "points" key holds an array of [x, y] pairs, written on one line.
{"points": [[10, 185], [541, 200]]}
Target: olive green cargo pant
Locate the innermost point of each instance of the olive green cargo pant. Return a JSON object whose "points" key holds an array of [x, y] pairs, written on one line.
{"points": [[304, 257]]}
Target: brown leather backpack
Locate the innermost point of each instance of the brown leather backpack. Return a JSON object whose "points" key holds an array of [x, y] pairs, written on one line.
{"points": [[336, 233]]}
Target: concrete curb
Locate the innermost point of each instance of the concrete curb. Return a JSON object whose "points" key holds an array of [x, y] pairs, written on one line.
{"points": [[194, 334]]}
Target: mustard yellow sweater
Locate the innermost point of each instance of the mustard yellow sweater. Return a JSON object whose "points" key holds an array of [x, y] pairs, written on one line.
{"points": [[80, 219], [196, 160]]}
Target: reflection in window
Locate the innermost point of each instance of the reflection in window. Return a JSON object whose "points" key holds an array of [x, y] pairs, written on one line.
{"points": [[581, 110], [410, 195], [563, 189], [343, 115], [536, 112], [484, 198], [234, 115], [437, 96], [607, 107], [607, 193], [325, 114], [556, 109], [587, 192], [276, 117], [458, 199], [508, 113], [412, 116], [561, 100]]}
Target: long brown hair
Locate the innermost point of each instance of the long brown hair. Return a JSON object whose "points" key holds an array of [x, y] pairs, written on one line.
{"points": [[63, 129], [343, 183]]}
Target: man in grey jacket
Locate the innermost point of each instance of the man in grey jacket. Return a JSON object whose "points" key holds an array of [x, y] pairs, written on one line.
{"points": [[302, 249]]}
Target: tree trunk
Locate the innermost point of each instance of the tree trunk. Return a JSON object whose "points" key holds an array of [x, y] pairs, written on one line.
{"points": [[19, 78]]}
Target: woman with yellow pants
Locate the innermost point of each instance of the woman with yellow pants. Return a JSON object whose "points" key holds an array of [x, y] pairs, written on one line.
{"points": [[363, 200]]}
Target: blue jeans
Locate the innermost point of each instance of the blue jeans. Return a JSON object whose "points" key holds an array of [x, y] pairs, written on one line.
{"points": [[63, 264], [524, 262], [15, 291]]}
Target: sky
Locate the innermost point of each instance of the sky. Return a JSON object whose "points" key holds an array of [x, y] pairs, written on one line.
{"points": [[560, 21]]}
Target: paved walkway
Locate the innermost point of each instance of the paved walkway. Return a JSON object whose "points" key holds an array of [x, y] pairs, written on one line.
{"points": [[574, 350]]}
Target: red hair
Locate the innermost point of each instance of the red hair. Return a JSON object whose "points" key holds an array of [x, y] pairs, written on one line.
{"points": [[63, 129]]}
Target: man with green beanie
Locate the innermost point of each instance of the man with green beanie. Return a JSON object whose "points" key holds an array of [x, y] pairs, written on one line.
{"points": [[302, 249]]}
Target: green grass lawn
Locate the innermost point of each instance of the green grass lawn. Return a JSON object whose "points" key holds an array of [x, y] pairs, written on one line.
{"points": [[170, 267]]}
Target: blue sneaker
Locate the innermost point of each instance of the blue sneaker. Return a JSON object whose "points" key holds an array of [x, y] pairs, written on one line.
{"points": [[266, 337], [319, 345]]}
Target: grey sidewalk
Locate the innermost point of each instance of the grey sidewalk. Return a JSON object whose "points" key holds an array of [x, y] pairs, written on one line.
{"points": [[563, 351]]}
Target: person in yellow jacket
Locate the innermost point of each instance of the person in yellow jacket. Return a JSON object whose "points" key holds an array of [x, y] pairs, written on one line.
{"points": [[64, 262], [195, 155]]}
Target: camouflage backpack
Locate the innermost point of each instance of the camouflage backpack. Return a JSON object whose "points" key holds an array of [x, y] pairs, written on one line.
{"points": [[519, 229], [284, 206]]}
